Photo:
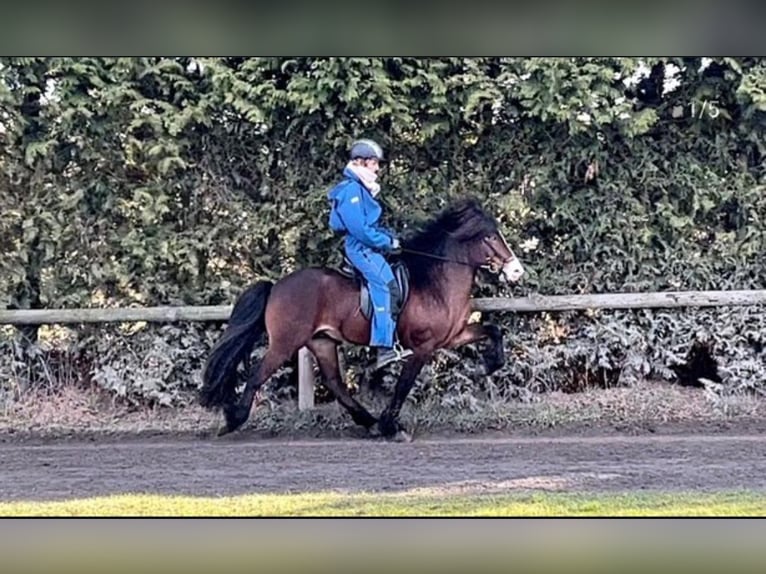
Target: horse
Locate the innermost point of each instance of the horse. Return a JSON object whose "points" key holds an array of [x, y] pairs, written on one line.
{"points": [[320, 308]]}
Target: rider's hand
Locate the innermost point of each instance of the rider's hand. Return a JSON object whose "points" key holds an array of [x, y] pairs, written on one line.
{"points": [[396, 246]]}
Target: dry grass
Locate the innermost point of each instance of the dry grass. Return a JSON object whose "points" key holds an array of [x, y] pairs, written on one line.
{"points": [[655, 401], [71, 409]]}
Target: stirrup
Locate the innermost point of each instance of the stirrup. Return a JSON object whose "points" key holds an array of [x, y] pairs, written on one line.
{"points": [[396, 354]]}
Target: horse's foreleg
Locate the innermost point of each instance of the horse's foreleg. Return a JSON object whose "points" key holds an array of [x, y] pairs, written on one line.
{"points": [[494, 357], [388, 424]]}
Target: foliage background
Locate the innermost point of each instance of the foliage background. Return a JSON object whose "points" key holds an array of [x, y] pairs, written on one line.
{"points": [[164, 181]]}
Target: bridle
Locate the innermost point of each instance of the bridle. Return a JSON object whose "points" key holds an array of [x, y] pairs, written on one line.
{"points": [[492, 265]]}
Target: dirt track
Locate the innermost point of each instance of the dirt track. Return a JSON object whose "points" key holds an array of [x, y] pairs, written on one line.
{"points": [[70, 469]]}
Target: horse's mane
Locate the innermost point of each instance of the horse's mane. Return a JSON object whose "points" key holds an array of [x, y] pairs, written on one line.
{"points": [[462, 221]]}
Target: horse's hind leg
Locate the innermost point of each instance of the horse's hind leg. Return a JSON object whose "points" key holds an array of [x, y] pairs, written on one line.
{"points": [[326, 353], [237, 413]]}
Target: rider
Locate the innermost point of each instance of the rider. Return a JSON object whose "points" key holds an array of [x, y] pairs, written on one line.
{"points": [[355, 213]]}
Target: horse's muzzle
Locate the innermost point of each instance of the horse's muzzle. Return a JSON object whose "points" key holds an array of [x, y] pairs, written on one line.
{"points": [[512, 271]]}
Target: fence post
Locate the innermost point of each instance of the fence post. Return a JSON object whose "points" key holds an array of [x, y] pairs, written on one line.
{"points": [[305, 379]]}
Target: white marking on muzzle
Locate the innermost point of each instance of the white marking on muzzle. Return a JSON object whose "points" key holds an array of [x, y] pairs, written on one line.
{"points": [[513, 270]]}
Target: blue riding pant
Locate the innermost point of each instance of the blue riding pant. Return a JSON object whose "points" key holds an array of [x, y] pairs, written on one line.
{"points": [[381, 282]]}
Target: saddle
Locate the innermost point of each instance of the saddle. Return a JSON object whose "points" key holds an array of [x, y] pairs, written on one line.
{"points": [[399, 296]]}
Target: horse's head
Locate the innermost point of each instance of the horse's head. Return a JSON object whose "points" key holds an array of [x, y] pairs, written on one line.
{"points": [[499, 257], [484, 242], [464, 233]]}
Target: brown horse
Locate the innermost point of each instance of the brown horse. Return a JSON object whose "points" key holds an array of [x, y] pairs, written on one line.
{"points": [[319, 308]]}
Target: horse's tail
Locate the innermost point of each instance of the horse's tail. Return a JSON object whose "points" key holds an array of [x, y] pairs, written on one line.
{"points": [[245, 327]]}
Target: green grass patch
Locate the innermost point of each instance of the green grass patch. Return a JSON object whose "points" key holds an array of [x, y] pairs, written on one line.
{"points": [[403, 504]]}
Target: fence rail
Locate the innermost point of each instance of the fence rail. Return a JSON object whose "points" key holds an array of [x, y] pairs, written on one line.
{"points": [[534, 304]]}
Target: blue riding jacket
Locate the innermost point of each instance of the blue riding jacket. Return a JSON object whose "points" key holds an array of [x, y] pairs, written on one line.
{"points": [[356, 212]]}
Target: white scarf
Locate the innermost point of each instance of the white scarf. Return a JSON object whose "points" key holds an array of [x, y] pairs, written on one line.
{"points": [[367, 176]]}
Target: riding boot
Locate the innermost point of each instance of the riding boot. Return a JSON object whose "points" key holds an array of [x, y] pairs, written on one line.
{"points": [[386, 356]]}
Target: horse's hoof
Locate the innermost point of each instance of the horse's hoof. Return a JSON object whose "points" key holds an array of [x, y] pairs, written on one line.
{"points": [[374, 432], [224, 430], [401, 436], [235, 417]]}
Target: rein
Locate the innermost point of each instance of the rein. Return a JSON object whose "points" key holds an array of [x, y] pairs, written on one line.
{"points": [[447, 259], [434, 256]]}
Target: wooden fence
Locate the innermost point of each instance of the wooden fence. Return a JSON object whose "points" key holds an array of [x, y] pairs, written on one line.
{"points": [[534, 304]]}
